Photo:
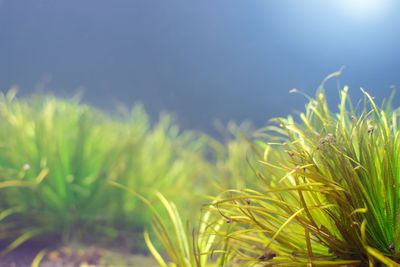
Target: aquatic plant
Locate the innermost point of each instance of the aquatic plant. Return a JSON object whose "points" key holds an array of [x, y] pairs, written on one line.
{"points": [[331, 189], [232, 155], [327, 194], [58, 156], [184, 246]]}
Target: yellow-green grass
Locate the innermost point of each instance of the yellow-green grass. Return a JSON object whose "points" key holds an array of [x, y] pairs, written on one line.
{"points": [[330, 191], [57, 157]]}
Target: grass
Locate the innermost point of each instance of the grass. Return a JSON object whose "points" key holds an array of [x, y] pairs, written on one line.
{"points": [[187, 247], [319, 190], [331, 189], [57, 158], [232, 155], [327, 193]]}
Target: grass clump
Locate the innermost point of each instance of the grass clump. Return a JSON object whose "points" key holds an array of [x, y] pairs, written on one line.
{"points": [[331, 189], [327, 194], [184, 246], [57, 158]]}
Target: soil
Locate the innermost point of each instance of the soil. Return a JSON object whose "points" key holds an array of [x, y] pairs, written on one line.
{"points": [[73, 255], [22, 256]]}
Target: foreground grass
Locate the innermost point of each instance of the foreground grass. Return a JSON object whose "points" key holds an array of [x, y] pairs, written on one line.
{"points": [[327, 195], [331, 194]]}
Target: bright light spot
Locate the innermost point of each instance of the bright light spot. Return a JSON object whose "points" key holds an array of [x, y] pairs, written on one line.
{"points": [[26, 167], [365, 9], [363, 6]]}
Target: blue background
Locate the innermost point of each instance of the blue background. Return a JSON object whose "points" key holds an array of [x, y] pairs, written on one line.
{"points": [[203, 60]]}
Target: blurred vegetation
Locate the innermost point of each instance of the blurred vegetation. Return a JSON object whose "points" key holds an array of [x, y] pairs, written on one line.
{"points": [[58, 156]]}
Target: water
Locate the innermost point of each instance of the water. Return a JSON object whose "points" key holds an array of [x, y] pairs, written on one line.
{"points": [[202, 60]]}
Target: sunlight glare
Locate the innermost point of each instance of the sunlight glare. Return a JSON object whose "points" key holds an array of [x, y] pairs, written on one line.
{"points": [[366, 9]]}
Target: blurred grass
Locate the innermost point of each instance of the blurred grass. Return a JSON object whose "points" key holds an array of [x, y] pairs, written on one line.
{"points": [[57, 157]]}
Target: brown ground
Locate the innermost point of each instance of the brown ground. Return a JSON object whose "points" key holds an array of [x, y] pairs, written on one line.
{"points": [[73, 256]]}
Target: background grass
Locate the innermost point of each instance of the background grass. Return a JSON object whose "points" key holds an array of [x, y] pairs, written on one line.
{"points": [[58, 156]]}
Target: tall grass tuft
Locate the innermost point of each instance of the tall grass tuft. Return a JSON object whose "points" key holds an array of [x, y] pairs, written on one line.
{"points": [[57, 158], [330, 191]]}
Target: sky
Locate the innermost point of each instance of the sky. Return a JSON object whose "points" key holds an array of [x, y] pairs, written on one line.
{"points": [[202, 60]]}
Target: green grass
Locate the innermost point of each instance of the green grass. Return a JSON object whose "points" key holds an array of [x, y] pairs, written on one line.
{"points": [[326, 192], [186, 247], [57, 158], [330, 191], [318, 190], [231, 168]]}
